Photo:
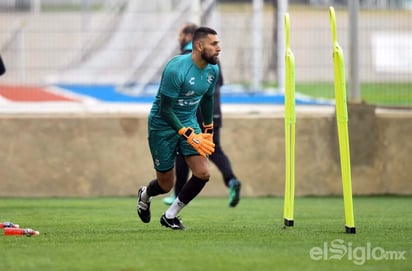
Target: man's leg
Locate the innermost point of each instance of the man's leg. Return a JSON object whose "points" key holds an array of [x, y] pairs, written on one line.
{"points": [[162, 146], [182, 174], [201, 175], [161, 185], [220, 159], [2, 66]]}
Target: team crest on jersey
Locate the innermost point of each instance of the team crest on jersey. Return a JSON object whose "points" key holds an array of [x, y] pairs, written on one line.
{"points": [[210, 78], [190, 93]]}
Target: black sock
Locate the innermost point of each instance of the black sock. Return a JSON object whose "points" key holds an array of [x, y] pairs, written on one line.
{"points": [[191, 189], [154, 189], [182, 173]]}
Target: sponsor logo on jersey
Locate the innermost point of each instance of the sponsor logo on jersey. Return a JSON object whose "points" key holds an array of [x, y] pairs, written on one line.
{"points": [[190, 93]]}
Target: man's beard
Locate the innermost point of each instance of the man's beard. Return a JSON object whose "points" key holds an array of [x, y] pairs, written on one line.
{"points": [[210, 59]]}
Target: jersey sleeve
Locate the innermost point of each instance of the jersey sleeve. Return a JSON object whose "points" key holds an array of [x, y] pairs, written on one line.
{"points": [[166, 104], [211, 90], [206, 109], [171, 80], [207, 102], [169, 88]]}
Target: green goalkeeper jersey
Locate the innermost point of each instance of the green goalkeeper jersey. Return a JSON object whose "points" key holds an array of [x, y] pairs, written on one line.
{"points": [[185, 84]]}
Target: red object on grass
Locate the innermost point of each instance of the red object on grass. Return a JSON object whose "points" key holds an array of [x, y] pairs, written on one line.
{"points": [[17, 231]]}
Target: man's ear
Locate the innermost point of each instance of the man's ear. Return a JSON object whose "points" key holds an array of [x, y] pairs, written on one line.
{"points": [[198, 45]]}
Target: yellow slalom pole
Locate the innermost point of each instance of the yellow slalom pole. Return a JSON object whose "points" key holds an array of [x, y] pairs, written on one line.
{"points": [[342, 122], [290, 120]]}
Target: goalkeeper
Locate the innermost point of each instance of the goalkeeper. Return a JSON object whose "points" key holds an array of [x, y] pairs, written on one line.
{"points": [[219, 157], [188, 82]]}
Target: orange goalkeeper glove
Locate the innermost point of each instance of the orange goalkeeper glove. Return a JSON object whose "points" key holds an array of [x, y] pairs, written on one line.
{"points": [[208, 131], [202, 145]]}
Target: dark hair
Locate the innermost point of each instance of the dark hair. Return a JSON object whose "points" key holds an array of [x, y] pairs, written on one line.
{"points": [[202, 32], [189, 28]]}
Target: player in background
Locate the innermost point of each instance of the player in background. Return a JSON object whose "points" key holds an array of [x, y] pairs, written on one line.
{"points": [[219, 158], [187, 83], [2, 67]]}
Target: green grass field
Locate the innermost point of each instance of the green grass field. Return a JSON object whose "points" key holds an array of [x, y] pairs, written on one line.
{"points": [[383, 94], [104, 234]]}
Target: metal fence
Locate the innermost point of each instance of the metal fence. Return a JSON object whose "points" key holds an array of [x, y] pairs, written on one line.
{"points": [[119, 42]]}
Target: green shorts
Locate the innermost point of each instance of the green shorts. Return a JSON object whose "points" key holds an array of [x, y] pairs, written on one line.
{"points": [[164, 146]]}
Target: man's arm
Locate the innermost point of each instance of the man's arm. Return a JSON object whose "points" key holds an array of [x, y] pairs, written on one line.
{"points": [[197, 141], [166, 111], [206, 108]]}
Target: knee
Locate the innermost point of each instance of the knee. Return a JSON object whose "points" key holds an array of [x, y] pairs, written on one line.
{"points": [[204, 176], [166, 181]]}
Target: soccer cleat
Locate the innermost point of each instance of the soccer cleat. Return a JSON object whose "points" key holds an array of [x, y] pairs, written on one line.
{"points": [[169, 200], [143, 207], [173, 223], [234, 192]]}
